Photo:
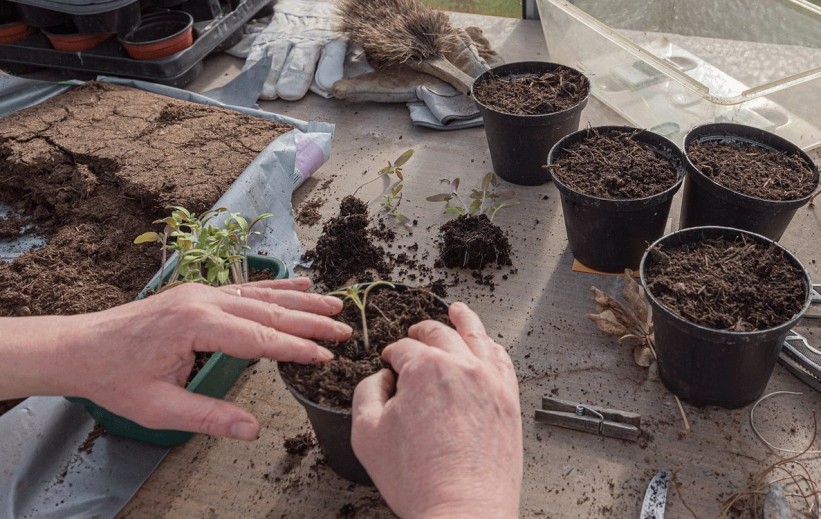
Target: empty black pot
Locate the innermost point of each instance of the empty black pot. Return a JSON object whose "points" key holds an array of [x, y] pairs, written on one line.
{"points": [[519, 143], [706, 202], [705, 366], [609, 234]]}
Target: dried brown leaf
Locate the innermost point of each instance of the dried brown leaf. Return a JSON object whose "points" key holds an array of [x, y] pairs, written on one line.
{"points": [[642, 355], [605, 302], [634, 294], [607, 322]]}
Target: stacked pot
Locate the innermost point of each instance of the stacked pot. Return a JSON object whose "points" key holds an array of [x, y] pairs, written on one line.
{"points": [[616, 200], [145, 29]]}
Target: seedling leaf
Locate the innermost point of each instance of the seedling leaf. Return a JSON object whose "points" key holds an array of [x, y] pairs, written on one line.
{"points": [[147, 237]]}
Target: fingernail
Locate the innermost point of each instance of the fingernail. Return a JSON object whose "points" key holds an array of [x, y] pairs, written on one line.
{"points": [[344, 329], [244, 431], [325, 354], [333, 302]]}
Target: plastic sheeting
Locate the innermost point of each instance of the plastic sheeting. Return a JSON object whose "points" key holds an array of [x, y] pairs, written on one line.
{"points": [[43, 471]]}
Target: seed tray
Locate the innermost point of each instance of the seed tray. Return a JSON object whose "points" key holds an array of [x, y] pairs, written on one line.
{"points": [[109, 58]]}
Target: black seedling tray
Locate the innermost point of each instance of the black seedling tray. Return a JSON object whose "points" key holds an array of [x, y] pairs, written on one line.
{"points": [[109, 58]]}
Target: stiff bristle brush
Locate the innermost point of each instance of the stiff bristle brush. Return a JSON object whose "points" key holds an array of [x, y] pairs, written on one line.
{"points": [[404, 32]]}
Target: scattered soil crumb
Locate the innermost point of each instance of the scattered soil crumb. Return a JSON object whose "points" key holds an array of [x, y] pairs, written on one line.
{"points": [[299, 444], [88, 444], [308, 213]]}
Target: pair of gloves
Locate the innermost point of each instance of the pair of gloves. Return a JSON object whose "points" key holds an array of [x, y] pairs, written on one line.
{"points": [[306, 52]]}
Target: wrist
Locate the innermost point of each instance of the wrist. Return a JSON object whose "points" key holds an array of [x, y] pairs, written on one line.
{"points": [[38, 356]]}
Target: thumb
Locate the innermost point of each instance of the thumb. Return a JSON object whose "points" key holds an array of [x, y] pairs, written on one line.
{"points": [[175, 408], [371, 395]]}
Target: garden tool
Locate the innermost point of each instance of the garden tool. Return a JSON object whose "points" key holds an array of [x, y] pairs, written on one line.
{"points": [[797, 354], [406, 32], [588, 418], [655, 497], [432, 102]]}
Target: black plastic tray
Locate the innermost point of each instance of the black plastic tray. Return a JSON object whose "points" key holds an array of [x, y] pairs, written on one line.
{"points": [[109, 58]]}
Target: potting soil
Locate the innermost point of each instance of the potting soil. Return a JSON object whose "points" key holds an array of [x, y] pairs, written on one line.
{"points": [[613, 165], [737, 285], [390, 313], [533, 94], [753, 170]]}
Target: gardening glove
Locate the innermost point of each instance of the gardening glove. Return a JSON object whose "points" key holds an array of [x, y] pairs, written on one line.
{"points": [[305, 50], [432, 102]]}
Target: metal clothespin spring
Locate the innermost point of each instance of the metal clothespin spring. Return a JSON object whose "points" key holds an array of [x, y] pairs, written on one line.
{"points": [[582, 409]]}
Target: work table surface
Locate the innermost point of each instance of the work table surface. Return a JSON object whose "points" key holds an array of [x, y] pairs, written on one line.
{"points": [[537, 312]]}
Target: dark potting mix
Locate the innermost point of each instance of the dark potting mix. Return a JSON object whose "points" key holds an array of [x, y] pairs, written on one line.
{"points": [[389, 315], [533, 94], [753, 170], [614, 165], [735, 285], [472, 241]]}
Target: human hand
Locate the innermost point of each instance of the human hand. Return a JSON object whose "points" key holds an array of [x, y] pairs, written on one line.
{"points": [[306, 50], [449, 441], [134, 359]]}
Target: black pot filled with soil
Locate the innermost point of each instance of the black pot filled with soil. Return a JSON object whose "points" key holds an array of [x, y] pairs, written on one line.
{"points": [[745, 178], [723, 301], [616, 185], [326, 390], [527, 107]]}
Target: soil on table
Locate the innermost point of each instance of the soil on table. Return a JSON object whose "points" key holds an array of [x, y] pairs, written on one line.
{"points": [[93, 168], [299, 444], [346, 251], [390, 313], [753, 170], [614, 165], [735, 285], [472, 241], [533, 94]]}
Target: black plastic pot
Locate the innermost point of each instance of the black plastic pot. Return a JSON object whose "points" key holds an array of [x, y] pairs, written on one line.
{"points": [[706, 202], [519, 143], [333, 433], [90, 16], [705, 366], [333, 429], [611, 235]]}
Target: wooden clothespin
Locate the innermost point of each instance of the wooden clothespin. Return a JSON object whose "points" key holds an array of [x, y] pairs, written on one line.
{"points": [[587, 418]]}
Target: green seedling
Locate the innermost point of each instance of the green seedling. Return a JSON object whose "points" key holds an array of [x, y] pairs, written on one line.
{"points": [[390, 203], [353, 294], [206, 254], [485, 200], [392, 169]]}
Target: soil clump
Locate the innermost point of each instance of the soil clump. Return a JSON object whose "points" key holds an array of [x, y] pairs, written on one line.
{"points": [[472, 241], [733, 285], [753, 170], [614, 165], [346, 252], [533, 94], [390, 313]]}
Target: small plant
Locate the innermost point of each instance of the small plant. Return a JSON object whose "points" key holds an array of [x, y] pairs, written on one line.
{"points": [[485, 200], [391, 169], [390, 203], [353, 293], [205, 254], [392, 196]]}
